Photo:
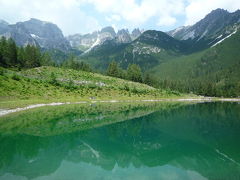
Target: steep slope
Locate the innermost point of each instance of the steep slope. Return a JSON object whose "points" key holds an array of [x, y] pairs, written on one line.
{"points": [[216, 68], [210, 26], [36, 32], [88, 41], [3, 26], [216, 26], [48, 35], [123, 36]]}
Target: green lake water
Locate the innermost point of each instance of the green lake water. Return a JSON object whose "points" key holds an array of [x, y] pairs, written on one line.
{"points": [[122, 141]]}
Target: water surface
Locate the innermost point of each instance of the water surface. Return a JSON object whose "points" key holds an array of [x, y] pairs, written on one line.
{"points": [[122, 141]]}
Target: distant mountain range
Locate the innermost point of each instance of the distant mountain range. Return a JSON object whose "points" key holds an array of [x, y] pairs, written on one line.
{"points": [[154, 47], [216, 26], [146, 48]]}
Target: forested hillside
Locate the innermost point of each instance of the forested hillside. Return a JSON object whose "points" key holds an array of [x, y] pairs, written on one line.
{"points": [[213, 72]]}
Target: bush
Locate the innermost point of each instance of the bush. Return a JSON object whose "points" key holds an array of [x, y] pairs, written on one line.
{"points": [[53, 79], [126, 87], [16, 77], [1, 71]]}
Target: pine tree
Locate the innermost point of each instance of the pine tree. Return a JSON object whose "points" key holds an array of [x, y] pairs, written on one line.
{"points": [[148, 80], [134, 73], [3, 46], [113, 69], [11, 54], [46, 60], [21, 57], [32, 56]]}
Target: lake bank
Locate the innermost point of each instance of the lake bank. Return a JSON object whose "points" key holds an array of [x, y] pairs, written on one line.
{"points": [[8, 109]]}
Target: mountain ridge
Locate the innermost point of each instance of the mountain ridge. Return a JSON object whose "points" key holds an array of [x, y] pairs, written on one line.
{"points": [[36, 32], [88, 41]]}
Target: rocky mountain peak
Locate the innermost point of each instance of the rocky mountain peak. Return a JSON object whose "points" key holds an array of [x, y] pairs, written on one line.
{"points": [[3, 26], [2, 22], [212, 24], [218, 11], [108, 29], [123, 36], [43, 29], [36, 32], [135, 33]]}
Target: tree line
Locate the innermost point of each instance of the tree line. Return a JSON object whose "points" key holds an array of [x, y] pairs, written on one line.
{"points": [[132, 73], [31, 56], [12, 56]]}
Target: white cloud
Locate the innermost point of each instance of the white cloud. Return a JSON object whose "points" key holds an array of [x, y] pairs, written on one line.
{"points": [[67, 14], [71, 15], [83, 16], [139, 13], [167, 21], [113, 18], [198, 9]]}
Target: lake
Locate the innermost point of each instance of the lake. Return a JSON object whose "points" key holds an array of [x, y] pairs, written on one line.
{"points": [[122, 141]]}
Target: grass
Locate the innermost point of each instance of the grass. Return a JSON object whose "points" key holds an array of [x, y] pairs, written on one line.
{"points": [[51, 84]]}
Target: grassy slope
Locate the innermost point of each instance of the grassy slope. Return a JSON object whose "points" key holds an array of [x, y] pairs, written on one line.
{"points": [[36, 86]]}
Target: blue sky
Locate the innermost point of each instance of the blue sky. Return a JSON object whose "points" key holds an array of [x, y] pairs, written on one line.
{"points": [[83, 16]]}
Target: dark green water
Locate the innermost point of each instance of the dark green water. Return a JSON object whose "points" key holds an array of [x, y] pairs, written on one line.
{"points": [[156, 141]]}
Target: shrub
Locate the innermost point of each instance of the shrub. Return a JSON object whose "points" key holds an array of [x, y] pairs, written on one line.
{"points": [[1, 71], [15, 77]]}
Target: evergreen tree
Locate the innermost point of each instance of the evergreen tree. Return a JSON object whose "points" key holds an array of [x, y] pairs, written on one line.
{"points": [[32, 56], [134, 73], [46, 60], [11, 57], [113, 69], [73, 63], [21, 57], [3, 47], [149, 80]]}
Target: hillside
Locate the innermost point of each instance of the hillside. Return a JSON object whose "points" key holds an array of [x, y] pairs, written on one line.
{"points": [[148, 50], [50, 84], [215, 69]]}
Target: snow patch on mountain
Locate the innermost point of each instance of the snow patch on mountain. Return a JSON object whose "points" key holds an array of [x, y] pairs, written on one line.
{"points": [[224, 39], [34, 36], [97, 42]]}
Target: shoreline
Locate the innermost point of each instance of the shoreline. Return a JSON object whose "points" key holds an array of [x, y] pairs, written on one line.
{"points": [[4, 112]]}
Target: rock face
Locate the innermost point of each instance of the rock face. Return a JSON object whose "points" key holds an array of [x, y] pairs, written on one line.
{"points": [[213, 24], [135, 34], [88, 41], [3, 26], [20, 34], [36, 32], [83, 41], [123, 36]]}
